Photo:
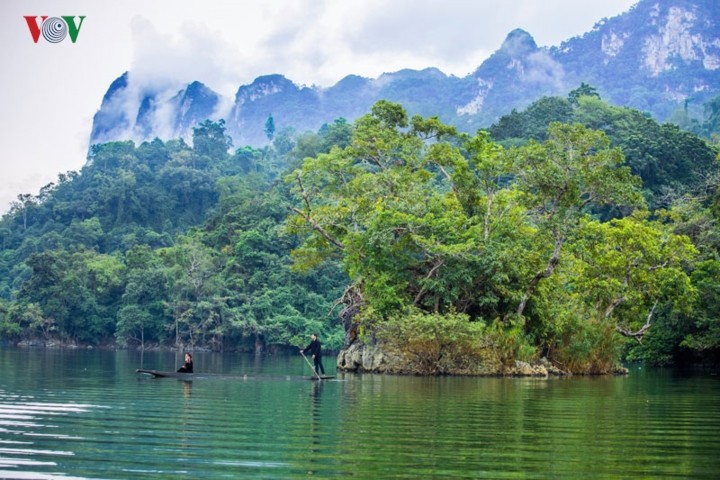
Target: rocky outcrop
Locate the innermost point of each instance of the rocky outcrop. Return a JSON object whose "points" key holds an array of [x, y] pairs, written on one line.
{"points": [[359, 357], [362, 358]]}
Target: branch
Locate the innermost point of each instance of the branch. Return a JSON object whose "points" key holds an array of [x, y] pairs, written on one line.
{"points": [[552, 263], [427, 277], [637, 335], [306, 215], [655, 267], [611, 308], [447, 175], [317, 227], [303, 192]]}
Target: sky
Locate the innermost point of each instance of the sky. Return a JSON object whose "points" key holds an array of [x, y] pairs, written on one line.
{"points": [[49, 92]]}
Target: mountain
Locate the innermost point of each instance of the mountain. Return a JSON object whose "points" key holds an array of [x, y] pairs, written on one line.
{"points": [[658, 57]]}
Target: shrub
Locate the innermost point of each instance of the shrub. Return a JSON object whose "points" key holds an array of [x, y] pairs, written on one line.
{"points": [[587, 347], [434, 344]]}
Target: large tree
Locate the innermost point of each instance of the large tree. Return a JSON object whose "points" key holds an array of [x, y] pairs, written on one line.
{"points": [[561, 180]]}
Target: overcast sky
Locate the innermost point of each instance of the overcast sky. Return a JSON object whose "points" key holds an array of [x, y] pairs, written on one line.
{"points": [[50, 91]]}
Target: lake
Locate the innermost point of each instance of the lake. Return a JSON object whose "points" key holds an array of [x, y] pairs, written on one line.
{"points": [[87, 414]]}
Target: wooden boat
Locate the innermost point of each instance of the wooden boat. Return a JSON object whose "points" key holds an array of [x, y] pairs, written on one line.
{"points": [[191, 376], [163, 374]]}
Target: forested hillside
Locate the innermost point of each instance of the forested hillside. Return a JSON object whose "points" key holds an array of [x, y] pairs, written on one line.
{"points": [[573, 230], [671, 162], [164, 243]]}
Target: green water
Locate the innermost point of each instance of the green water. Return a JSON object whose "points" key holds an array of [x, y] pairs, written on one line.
{"points": [[87, 414]]}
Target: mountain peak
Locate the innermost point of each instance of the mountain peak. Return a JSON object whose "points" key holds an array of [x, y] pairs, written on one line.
{"points": [[263, 86], [518, 43]]}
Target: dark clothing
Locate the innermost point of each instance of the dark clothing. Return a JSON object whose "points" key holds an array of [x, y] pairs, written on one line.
{"points": [[315, 350], [186, 368]]}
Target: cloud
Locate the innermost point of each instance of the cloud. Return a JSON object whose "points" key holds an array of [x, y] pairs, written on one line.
{"points": [[542, 69], [321, 41], [452, 31], [163, 64], [193, 52]]}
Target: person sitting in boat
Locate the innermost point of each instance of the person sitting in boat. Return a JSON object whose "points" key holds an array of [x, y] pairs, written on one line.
{"points": [[188, 365], [316, 351]]}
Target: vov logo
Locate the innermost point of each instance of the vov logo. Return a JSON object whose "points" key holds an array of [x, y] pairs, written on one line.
{"points": [[54, 29]]}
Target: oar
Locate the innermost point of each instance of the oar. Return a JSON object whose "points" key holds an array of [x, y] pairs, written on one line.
{"points": [[311, 365]]}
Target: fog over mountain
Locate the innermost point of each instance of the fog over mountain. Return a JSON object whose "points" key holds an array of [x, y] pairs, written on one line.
{"points": [[660, 56]]}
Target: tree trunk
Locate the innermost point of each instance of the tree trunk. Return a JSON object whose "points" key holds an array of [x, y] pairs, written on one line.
{"points": [[552, 263]]}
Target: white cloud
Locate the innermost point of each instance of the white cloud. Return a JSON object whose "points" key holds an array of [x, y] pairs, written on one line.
{"points": [[164, 60]]}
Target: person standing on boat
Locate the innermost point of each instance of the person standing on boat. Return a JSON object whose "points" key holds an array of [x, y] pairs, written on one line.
{"points": [[188, 365], [315, 349]]}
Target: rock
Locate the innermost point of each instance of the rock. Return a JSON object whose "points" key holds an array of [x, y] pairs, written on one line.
{"points": [[552, 369], [524, 369], [360, 357], [350, 359]]}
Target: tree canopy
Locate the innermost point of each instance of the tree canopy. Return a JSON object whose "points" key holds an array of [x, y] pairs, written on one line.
{"points": [[575, 231]]}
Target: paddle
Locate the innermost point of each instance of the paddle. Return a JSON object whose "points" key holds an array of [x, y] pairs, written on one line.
{"points": [[311, 365]]}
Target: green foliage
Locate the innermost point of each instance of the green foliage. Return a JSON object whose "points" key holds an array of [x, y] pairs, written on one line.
{"points": [[9, 329], [270, 128], [457, 224], [705, 333], [387, 204], [661, 346], [689, 334], [633, 263], [587, 347], [466, 255], [268, 301], [78, 291], [532, 123], [107, 254], [584, 90], [669, 161], [142, 317], [210, 140]]}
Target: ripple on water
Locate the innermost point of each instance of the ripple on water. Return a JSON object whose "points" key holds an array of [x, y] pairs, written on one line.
{"points": [[116, 425]]}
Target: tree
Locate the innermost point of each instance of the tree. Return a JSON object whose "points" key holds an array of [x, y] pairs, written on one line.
{"points": [[584, 90], [704, 335], [372, 202], [80, 291], [631, 268], [142, 318], [270, 127], [196, 297], [414, 222], [284, 141], [712, 117], [25, 202], [209, 139], [575, 169], [533, 122], [670, 162]]}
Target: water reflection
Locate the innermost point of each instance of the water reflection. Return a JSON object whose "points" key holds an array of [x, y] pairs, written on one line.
{"points": [[93, 418], [314, 430], [187, 388]]}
